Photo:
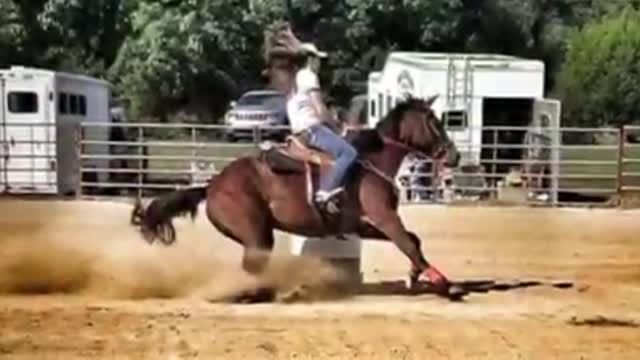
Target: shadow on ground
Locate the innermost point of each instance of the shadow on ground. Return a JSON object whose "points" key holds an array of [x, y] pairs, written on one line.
{"points": [[469, 286], [392, 288]]}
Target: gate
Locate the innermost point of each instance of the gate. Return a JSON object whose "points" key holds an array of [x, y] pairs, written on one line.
{"points": [[28, 149]]}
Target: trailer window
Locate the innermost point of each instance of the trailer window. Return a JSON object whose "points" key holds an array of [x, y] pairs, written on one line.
{"points": [[83, 104], [21, 102], [63, 104], [373, 108], [380, 105], [73, 104], [455, 119]]}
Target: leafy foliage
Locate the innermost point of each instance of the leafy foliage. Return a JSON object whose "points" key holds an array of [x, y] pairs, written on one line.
{"points": [[192, 56], [599, 82], [85, 35], [183, 54]]}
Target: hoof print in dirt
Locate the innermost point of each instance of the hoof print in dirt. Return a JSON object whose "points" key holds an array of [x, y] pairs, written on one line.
{"points": [[562, 284], [602, 321]]}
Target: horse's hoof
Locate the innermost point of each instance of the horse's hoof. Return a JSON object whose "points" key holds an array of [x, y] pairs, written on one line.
{"points": [[448, 290], [412, 284], [456, 292], [409, 283]]}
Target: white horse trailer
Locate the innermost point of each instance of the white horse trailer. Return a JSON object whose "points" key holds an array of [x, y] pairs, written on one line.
{"points": [[40, 111], [475, 90]]}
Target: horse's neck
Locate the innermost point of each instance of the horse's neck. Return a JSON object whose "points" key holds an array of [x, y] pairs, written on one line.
{"points": [[388, 160]]}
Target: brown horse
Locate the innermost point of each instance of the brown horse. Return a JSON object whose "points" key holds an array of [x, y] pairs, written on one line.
{"points": [[254, 195]]}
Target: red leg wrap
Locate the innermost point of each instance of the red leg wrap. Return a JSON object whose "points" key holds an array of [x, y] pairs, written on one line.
{"points": [[435, 276]]}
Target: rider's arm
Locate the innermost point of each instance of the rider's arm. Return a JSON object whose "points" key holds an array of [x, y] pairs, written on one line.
{"points": [[321, 109], [307, 81]]}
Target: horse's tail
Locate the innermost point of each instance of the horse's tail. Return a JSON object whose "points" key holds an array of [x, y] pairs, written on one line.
{"points": [[155, 221]]}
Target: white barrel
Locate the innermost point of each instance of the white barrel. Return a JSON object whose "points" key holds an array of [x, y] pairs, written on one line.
{"points": [[344, 254]]}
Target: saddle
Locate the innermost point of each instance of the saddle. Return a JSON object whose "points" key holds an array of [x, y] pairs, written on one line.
{"points": [[295, 152], [294, 155]]}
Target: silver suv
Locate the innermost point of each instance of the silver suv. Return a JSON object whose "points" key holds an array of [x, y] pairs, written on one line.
{"points": [[258, 108]]}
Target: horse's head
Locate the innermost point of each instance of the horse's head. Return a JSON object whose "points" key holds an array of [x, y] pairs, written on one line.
{"points": [[413, 124]]}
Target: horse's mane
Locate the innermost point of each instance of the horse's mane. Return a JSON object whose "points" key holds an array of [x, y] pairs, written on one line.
{"points": [[390, 124], [365, 140], [369, 140]]}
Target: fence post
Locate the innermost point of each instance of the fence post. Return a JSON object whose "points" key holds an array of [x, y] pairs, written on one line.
{"points": [[78, 155], [556, 158], [493, 182], [194, 153], [435, 185], [140, 160], [257, 135], [620, 159]]}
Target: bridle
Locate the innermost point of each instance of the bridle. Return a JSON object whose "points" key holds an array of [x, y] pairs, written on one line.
{"points": [[428, 128], [438, 154]]}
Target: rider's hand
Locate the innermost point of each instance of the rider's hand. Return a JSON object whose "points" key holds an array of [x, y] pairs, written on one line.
{"points": [[285, 37]]}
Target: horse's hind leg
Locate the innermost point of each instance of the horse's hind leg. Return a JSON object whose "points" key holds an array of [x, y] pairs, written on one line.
{"points": [[254, 261], [246, 220]]}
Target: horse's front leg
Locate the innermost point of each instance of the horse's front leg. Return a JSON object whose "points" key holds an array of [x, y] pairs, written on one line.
{"points": [[369, 231], [391, 228]]}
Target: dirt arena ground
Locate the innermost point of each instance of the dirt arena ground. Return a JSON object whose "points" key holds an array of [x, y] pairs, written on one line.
{"points": [[78, 282]]}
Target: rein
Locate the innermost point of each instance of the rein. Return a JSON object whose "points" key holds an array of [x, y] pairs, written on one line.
{"points": [[374, 169], [389, 141], [369, 166]]}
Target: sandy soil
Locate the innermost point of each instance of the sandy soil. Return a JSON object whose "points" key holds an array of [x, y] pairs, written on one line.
{"points": [[78, 282]]}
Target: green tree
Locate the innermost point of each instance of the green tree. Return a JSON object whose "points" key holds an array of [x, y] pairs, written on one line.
{"points": [[168, 56], [22, 40], [185, 55], [599, 81], [85, 35], [12, 32]]}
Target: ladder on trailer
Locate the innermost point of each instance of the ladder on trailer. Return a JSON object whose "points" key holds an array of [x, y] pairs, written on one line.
{"points": [[456, 116], [459, 83], [459, 100]]}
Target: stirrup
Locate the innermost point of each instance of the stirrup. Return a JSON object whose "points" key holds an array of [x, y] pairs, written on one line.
{"points": [[328, 200], [329, 206], [325, 196]]}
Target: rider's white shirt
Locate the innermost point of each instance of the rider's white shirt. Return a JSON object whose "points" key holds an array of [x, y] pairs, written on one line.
{"points": [[299, 108]]}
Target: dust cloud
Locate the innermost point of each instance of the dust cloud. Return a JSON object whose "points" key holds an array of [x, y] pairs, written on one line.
{"points": [[89, 249]]}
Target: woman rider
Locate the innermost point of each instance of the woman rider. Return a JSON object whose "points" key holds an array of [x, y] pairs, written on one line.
{"points": [[308, 115]]}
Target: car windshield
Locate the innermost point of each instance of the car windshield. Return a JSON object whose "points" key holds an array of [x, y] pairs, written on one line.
{"points": [[260, 100]]}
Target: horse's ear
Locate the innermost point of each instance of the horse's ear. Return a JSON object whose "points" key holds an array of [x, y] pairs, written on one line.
{"points": [[432, 99]]}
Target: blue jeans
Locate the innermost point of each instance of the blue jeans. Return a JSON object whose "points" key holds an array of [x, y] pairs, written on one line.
{"points": [[323, 138]]}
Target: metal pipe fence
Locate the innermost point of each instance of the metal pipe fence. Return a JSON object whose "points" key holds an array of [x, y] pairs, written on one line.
{"points": [[629, 159], [513, 163]]}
